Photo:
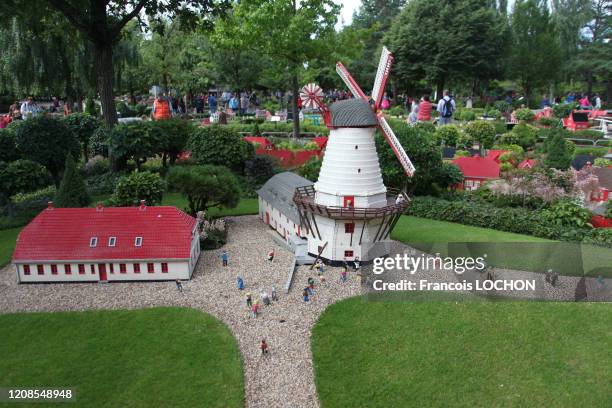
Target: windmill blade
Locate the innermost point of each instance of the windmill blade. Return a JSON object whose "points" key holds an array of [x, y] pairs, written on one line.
{"points": [[382, 74], [395, 144], [350, 82], [311, 96]]}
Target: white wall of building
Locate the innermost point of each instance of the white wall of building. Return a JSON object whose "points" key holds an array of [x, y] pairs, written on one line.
{"points": [[278, 221]]}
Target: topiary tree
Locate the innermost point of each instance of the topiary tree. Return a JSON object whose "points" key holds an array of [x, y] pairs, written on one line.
{"points": [[138, 186], [136, 141], [449, 175], [525, 135], [259, 169], [20, 176], [83, 126], [524, 115], [558, 153], [98, 144], [449, 134], [47, 141], [72, 192], [482, 131], [174, 135], [205, 186], [310, 170], [218, 145]]}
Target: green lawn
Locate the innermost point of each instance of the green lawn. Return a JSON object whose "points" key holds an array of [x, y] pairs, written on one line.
{"points": [[162, 357], [463, 354], [7, 244]]}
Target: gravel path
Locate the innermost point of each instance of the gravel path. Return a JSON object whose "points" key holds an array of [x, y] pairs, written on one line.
{"points": [[285, 377]]}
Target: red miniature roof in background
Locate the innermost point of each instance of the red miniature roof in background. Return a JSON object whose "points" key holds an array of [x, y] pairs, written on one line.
{"points": [[495, 154], [258, 139], [527, 164], [478, 167], [63, 234]]}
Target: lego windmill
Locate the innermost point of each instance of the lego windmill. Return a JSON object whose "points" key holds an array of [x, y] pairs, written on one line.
{"points": [[349, 213]]}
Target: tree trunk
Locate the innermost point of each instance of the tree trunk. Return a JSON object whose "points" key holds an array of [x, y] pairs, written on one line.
{"points": [[296, 116], [440, 88], [104, 66]]}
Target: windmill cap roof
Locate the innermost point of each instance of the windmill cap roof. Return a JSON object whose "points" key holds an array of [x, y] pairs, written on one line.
{"points": [[352, 113]]}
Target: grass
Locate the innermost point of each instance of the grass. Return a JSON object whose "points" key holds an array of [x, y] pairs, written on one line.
{"points": [[463, 354], [504, 249], [7, 244], [140, 358]]}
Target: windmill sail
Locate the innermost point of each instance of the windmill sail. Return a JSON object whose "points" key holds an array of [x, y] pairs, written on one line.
{"points": [[384, 67], [350, 82], [395, 144]]}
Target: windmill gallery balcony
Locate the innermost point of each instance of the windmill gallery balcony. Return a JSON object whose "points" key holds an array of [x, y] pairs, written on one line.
{"points": [[304, 199]]}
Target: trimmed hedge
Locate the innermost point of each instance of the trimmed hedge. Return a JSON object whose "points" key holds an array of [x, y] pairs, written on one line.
{"points": [[517, 220]]}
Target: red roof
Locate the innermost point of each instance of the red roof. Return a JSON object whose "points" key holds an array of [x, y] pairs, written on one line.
{"points": [[495, 154], [527, 164], [262, 141], [64, 234], [478, 167]]}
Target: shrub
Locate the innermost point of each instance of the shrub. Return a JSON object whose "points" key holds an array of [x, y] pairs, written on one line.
{"points": [[594, 151], [259, 169], [524, 115], [559, 155], [8, 145], [139, 186], [462, 153], [544, 121], [503, 106], [525, 135], [599, 236], [396, 111], [310, 170], [213, 234], [587, 134], [466, 115], [98, 144], [219, 145], [508, 138], [91, 108], [72, 192], [102, 184], [125, 110], [83, 126], [97, 165], [493, 113], [517, 220], [449, 134], [482, 131], [564, 110], [568, 213], [426, 127], [465, 141], [601, 162], [175, 134]]}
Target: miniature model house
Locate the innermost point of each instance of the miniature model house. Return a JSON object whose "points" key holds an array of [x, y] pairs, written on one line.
{"points": [[107, 244], [276, 206]]}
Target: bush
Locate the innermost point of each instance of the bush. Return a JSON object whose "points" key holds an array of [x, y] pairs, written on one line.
{"points": [[544, 121], [139, 186], [98, 144], [482, 131], [567, 213], [466, 115], [599, 236], [8, 145], [517, 220], [83, 126], [524, 115], [586, 134], [426, 127], [175, 134], [213, 234], [564, 110], [91, 108], [465, 141], [526, 135], [449, 134], [503, 106], [72, 192], [493, 113], [219, 145], [396, 111], [259, 169], [310, 170], [102, 184], [97, 165]]}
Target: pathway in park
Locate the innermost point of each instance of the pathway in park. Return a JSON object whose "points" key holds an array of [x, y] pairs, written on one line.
{"points": [[285, 377]]}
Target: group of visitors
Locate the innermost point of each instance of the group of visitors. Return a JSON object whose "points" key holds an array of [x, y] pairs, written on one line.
{"points": [[421, 111]]}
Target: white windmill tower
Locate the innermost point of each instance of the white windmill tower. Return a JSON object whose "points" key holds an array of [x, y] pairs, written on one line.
{"points": [[349, 213]]}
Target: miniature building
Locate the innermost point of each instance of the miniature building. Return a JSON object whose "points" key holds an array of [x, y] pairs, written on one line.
{"points": [[107, 244], [349, 213], [276, 206], [602, 194], [527, 164], [476, 171]]}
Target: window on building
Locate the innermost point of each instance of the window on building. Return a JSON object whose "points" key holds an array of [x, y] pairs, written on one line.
{"points": [[111, 268], [348, 254], [26, 269], [150, 268], [112, 241], [122, 268], [136, 268], [92, 268], [164, 267], [349, 227], [67, 269], [93, 242], [40, 269], [138, 241], [53, 269], [81, 269]]}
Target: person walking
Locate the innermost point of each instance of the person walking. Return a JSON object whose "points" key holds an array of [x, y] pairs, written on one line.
{"points": [[255, 309], [425, 108], [274, 295], [264, 347], [244, 103], [239, 283], [343, 275], [162, 108], [305, 294], [265, 298], [446, 108], [356, 264], [597, 102], [234, 104], [28, 109], [249, 300], [212, 103], [584, 102], [271, 255], [224, 257], [554, 279], [179, 286]]}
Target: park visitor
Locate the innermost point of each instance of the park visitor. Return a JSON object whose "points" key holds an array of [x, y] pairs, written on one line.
{"points": [[271, 255], [224, 257], [446, 107], [239, 283], [212, 103], [162, 108], [597, 102], [264, 347], [413, 117], [425, 109], [385, 102], [249, 300], [274, 295], [28, 109], [244, 103], [584, 102], [179, 286], [305, 294]]}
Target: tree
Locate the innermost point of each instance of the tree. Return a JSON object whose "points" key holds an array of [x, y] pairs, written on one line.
{"points": [[535, 54], [72, 192], [133, 188], [558, 155], [483, 132], [83, 126], [449, 175], [174, 135], [311, 169], [289, 32], [259, 169], [468, 42], [47, 141], [205, 186], [8, 147], [423, 152], [136, 141], [219, 145], [20, 176]]}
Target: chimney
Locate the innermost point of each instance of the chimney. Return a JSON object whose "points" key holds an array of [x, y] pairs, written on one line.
{"points": [[142, 205], [50, 205], [100, 207]]}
